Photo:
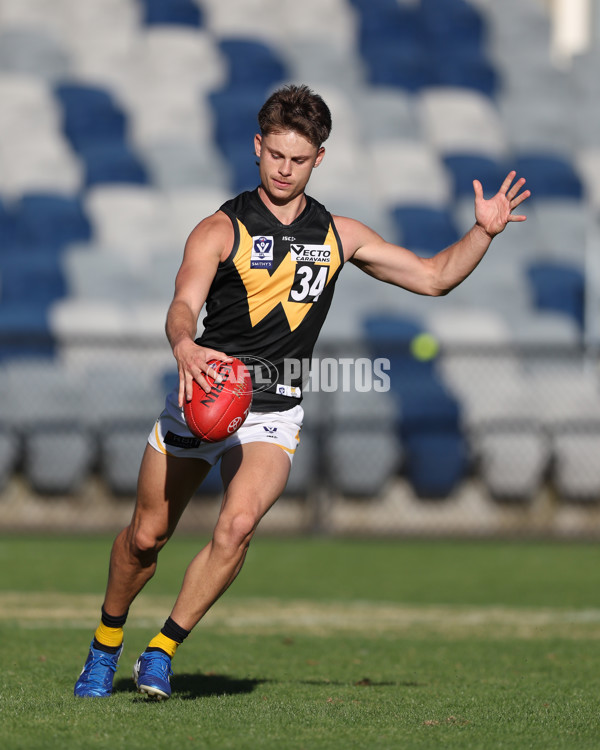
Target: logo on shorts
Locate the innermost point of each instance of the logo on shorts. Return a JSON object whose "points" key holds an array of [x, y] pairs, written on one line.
{"points": [[181, 441], [262, 252], [270, 430]]}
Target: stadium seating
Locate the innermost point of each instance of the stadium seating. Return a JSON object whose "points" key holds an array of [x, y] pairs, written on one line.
{"points": [[560, 287], [124, 122], [425, 229], [48, 222], [90, 115]]}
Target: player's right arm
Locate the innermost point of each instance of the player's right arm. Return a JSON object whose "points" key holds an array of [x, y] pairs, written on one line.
{"points": [[208, 244]]}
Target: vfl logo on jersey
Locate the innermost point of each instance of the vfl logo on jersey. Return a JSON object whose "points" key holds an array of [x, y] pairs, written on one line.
{"points": [[311, 253], [262, 252]]}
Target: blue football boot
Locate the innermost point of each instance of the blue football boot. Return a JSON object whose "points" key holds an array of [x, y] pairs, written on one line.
{"points": [[96, 678], [151, 674]]}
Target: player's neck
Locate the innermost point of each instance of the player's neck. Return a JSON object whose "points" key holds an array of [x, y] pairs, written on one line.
{"points": [[285, 211]]}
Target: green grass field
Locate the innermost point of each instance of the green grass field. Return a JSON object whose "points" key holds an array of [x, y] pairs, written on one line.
{"points": [[329, 644]]}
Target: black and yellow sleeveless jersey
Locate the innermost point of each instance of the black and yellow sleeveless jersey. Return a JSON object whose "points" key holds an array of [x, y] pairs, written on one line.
{"points": [[270, 297]]}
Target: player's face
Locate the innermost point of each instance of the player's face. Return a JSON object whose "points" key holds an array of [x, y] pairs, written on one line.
{"points": [[286, 161]]}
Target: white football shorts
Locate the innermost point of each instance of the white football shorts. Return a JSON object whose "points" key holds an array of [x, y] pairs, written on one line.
{"points": [[172, 436]]}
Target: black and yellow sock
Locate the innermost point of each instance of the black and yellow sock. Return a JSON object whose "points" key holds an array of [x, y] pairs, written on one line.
{"points": [[109, 634], [170, 637]]}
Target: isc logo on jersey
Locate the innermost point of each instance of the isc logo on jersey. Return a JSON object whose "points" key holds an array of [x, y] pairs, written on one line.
{"points": [[311, 253]]}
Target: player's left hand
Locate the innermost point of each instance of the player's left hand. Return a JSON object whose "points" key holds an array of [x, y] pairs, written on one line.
{"points": [[493, 215]]}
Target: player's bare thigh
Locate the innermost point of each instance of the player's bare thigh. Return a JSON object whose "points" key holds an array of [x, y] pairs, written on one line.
{"points": [[165, 486], [254, 476]]}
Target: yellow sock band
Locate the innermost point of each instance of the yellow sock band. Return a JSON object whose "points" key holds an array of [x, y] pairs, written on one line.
{"points": [[166, 644], [109, 636]]}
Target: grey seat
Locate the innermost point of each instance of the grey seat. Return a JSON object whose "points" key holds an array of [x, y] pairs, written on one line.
{"points": [[34, 52], [513, 461], [122, 446], [576, 469], [58, 459], [360, 462]]}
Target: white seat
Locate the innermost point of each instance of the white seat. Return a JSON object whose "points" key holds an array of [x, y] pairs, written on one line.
{"points": [[44, 163], [563, 228], [317, 64], [402, 171], [587, 162], [93, 274], [386, 112], [39, 392], [182, 163], [72, 319], [471, 326], [458, 120], [35, 51], [576, 470], [362, 461], [513, 461], [130, 217], [187, 206], [545, 123], [185, 58], [57, 460]]}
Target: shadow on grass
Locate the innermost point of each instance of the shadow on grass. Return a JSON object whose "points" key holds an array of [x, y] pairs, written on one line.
{"points": [[192, 686]]}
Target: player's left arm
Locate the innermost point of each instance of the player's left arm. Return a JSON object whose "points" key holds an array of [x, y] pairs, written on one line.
{"points": [[440, 274]]}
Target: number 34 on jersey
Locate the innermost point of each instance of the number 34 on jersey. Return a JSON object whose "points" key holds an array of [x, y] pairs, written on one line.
{"points": [[312, 268]]}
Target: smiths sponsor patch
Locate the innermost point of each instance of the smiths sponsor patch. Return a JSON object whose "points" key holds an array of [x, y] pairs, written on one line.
{"points": [[311, 253], [262, 252]]}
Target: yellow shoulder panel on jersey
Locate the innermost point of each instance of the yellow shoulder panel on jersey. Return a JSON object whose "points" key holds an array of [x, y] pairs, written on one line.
{"points": [[265, 291]]}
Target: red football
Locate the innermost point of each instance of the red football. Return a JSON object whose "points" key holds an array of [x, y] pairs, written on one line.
{"points": [[218, 414]]}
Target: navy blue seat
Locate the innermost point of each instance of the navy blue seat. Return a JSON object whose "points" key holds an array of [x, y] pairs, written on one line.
{"points": [[549, 175], [464, 168], [472, 71], [242, 163], [90, 114], [113, 162], [7, 229], [559, 287], [32, 278], [172, 12], [235, 117], [385, 25], [435, 463], [24, 331], [429, 420], [252, 63], [454, 19], [426, 405], [386, 332], [410, 68], [50, 221], [424, 229]]}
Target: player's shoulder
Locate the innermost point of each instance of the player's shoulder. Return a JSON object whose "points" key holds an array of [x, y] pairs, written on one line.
{"points": [[219, 222], [215, 233], [353, 233]]}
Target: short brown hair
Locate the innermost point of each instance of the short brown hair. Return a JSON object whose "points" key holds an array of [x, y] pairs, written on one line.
{"points": [[296, 108]]}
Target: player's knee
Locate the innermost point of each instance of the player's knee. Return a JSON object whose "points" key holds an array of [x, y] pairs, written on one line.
{"points": [[235, 531], [146, 544]]}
